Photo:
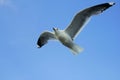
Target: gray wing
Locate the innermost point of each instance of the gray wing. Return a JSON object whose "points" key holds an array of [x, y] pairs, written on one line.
{"points": [[44, 37], [80, 19]]}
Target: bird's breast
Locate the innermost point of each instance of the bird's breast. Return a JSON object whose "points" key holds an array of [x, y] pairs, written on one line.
{"points": [[64, 38]]}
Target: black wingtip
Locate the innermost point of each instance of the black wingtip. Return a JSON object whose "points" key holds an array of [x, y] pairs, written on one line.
{"points": [[41, 42], [111, 3], [38, 46]]}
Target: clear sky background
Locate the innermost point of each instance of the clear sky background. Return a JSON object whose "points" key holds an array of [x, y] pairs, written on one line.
{"points": [[22, 21]]}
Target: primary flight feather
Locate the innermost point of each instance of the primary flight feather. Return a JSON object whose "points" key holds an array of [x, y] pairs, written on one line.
{"points": [[67, 36]]}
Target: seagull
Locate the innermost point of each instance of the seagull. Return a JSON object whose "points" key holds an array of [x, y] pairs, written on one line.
{"points": [[67, 35]]}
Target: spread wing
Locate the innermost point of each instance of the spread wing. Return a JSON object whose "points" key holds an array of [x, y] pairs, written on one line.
{"points": [[80, 18], [44, 37]]}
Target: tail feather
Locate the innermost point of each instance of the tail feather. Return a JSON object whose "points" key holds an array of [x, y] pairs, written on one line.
{"points": [[76, 49]]}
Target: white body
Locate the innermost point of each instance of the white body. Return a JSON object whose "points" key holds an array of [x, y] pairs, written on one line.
{"points": [[67, 41]]}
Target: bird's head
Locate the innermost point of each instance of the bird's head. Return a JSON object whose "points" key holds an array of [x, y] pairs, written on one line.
{"points": [[55, 29]]}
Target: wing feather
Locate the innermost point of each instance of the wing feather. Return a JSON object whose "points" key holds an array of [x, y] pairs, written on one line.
{"points": [[82, 17], [44, 37]]}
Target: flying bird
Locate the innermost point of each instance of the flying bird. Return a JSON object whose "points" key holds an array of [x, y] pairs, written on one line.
{"points": [[67, 35]]}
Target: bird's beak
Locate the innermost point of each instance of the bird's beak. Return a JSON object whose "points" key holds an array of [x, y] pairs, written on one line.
{"points": [[54, 29]]}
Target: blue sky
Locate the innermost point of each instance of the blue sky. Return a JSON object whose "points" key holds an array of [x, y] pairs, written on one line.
{"points": [[22, 21]]}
